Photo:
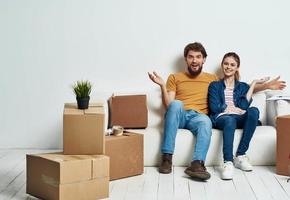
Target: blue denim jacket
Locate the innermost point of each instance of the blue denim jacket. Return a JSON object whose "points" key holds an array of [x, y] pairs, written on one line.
{"points": [[216, 97]]}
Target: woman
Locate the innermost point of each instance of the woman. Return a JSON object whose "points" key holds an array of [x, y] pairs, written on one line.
{"points": [[229, 103]]}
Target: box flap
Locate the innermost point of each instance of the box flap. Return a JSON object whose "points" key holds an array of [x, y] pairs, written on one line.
{"points": [[128, 95], [101, 166], [70, 105], [62, 169], [113, 137], [86, 190], [94, 108], [71, 109], [284, 117], [96, 104]]}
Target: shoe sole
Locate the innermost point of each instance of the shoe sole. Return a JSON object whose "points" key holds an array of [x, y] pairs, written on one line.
{"points": [[227, 178], [198, 175], [245, 170], [165, 171], [249, 170]]}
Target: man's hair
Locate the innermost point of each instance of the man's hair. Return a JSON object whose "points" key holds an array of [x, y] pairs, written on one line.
{"points": [[197, 47], [237, 59]]}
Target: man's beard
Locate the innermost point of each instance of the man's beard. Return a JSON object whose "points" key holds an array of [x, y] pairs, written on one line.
{"points": [[194, 73]]}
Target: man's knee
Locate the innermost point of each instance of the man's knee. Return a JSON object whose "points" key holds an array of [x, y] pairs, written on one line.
{"points": [[175, 106], [207, 122], [205, 125]]}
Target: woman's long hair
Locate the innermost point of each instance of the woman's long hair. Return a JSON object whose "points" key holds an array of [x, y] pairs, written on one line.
{"points": [[237, 59]]}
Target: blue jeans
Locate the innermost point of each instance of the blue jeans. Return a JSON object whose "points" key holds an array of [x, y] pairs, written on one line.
{"points": [[229, 123], [199, 124]]}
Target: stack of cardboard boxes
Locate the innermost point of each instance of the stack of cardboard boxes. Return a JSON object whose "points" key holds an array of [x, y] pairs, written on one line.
{"points": [[82, 170], [126, 152], [89, 159]]}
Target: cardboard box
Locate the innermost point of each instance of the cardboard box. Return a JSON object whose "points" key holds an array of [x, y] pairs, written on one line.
{"points": [[83, 130], [62, 177], [126, 155], [129, 111], [283, 147]]}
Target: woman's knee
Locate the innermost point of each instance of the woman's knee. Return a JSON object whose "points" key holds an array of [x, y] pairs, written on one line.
{"points": [[253, 113], [228, 122]]}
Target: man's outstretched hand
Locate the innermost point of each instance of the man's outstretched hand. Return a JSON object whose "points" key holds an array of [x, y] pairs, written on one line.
{"points": [[156, 78]]}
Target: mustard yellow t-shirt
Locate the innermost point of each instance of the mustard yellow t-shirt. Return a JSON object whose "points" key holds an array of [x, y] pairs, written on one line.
{"points": [[192, 91]]}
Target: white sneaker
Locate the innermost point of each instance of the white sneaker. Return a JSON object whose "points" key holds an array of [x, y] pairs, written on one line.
{"points": [[242, 162], [227, 170]]}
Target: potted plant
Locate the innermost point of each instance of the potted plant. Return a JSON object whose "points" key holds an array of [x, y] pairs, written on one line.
{"points": [[82, 90]]}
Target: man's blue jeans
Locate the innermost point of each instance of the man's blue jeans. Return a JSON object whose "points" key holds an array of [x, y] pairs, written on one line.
{"points": [[199, 124], [229, 123]]}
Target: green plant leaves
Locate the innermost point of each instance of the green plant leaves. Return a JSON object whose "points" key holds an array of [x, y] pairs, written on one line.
{"points": [[82, 89]]}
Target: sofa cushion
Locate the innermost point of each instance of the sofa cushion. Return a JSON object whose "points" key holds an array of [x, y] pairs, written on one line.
{"points": [[155, 108], [259, 101], [261, 151]]}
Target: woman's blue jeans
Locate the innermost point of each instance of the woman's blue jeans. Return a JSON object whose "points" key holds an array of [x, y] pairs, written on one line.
{"points": [[199, 124], [229, 123]]}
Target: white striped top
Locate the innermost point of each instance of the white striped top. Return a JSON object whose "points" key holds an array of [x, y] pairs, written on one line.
{"points": [[229, 100], [229, 93]]}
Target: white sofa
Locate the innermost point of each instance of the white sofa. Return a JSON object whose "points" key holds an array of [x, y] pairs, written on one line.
{"points": [[262, 147]]}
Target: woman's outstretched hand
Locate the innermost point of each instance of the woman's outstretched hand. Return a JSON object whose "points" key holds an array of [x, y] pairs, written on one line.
{"points": [[276, 84]]}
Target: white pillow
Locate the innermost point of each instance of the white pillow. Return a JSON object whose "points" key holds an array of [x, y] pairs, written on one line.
{"points": [[259, 101]]}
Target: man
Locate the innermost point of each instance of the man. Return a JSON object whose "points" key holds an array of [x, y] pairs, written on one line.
{"points": [[185, 98]]}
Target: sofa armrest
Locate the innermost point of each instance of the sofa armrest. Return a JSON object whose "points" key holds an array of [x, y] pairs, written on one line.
{"points": [[283, 107], [277, 108], [273, 107]]}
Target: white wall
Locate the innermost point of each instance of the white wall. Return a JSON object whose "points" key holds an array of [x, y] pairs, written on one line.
{"points": [[47, 45]]}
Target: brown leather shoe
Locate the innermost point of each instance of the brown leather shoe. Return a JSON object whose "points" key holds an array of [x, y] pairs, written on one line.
{"points": [[197, 170], [166, 164]]}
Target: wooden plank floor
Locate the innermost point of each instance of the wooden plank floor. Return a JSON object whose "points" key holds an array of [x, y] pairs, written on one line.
{"points": [[262, 183]]}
